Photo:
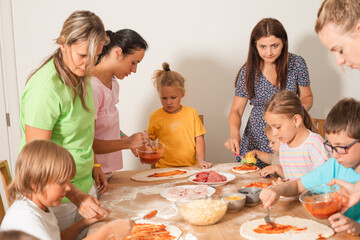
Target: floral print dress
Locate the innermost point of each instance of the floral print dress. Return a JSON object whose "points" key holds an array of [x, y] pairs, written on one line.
{"points": [[254, 136]]}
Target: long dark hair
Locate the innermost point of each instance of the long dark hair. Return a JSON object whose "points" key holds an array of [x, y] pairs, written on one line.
{"points": [[128, 40], [266, 27]]}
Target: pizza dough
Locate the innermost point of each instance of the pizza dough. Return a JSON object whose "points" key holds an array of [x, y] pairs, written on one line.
{"points": [[143, 176], [313, 231], [173, 230], [243, 171]]}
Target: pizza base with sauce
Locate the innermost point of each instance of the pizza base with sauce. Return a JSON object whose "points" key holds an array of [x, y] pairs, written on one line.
{"points": [[304, 229], [245, 168], [150, 230], [158, 174]]}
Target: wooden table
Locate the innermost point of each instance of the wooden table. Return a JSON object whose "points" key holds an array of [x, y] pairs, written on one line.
{"points": [[127, 199]]}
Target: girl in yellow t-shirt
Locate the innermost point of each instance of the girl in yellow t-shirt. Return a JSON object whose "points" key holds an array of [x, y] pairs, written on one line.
{"points": [[177, 126]]}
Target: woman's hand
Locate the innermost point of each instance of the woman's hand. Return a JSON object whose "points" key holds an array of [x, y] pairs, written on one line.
{"points": [[341, 223], [137, 140], [100, 179], [204, 164], [350, 193], [233, 144]]}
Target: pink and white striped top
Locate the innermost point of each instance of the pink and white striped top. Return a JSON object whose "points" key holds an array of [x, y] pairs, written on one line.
{"points": [[300, 160]]}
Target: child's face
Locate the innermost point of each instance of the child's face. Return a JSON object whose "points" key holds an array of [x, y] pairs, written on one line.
{"points": [[283, 127], [171, 98], [351, 159], [52, 195], [274, 142]]}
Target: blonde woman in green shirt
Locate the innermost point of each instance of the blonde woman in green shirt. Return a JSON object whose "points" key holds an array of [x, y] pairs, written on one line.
{"points": [[57, 105]]}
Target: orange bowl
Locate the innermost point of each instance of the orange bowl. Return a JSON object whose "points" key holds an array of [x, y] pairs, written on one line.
{"points": [[322, 201], [151, 155]]}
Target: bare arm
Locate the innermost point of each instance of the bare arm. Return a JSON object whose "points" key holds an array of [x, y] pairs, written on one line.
{"points": [[236, 112], [306, 97], [270, 196], [263, 156], [200, 152], [32, 133], [116, 229], [107, 146]]}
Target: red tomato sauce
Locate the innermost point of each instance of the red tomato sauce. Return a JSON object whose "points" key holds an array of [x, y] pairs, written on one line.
{"points": [[323, 210], [277, 229]]}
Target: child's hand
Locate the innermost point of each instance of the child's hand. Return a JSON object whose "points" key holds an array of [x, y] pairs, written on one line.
{"points": [[341, 223], [203, 164], [267, 171], [269, 197]]}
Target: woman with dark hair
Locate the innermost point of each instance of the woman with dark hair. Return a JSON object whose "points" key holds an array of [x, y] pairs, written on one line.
{"points": [[117, 60], [269, 68]]}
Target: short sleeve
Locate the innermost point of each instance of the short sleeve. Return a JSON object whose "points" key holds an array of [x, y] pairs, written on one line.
{"points": [[97, 95], [323, 174], [41, 108], [317, 152], [303, 79], [240, 90]]}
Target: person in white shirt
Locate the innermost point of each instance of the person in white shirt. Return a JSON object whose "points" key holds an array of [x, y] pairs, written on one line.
{"points": [[42, 178]]}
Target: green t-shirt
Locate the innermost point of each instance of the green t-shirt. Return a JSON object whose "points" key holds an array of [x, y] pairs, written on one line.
{"points": [[47, 103]]}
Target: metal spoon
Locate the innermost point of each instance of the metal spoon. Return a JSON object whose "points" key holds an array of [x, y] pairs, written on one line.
{"points": [[269, 221]]}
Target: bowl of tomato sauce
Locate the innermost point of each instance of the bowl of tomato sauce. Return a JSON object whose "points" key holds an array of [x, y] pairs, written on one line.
{"points": [[322, 201], [151, 153]]}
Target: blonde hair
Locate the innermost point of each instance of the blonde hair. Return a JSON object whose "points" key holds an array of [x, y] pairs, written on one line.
{"points": [[344, 13], [168, 78], [39, 163], [79, 26], [288, 103]]}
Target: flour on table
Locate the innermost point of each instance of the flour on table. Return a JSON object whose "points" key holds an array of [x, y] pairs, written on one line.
{"points": [[313, 231]]}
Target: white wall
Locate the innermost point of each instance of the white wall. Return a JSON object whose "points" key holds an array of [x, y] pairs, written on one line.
{"points": [[205, 40]]}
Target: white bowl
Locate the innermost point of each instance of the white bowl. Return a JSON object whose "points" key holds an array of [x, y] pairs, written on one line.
{"points": [[202, 212], [229, 177]]}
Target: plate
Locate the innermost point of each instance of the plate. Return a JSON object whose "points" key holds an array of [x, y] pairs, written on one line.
{"points": [[228, 176], [165, 193], [174, 231]]}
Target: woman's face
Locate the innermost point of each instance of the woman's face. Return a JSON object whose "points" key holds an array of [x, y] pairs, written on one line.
{"points": [[344, 46], [125, 65], [75, 56], [269, 48]]}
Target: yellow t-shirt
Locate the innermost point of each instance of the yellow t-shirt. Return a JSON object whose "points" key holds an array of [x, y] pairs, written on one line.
{"points": [[178, 132]]}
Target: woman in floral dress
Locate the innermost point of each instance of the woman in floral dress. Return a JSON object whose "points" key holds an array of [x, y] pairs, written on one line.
{"points": [[272, 68]]}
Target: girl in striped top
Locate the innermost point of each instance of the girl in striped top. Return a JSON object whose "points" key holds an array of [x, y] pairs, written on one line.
{"points": [[301, 148]]}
